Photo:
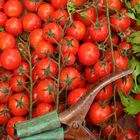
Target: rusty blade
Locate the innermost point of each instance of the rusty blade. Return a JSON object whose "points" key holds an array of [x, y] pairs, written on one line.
{"points": [[78, 111]]}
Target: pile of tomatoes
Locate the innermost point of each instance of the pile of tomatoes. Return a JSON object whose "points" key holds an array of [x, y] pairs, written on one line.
{"points": [[52, 51]]}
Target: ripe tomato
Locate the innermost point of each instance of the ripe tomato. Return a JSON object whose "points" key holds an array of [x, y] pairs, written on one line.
{"points": [[11, 123], [75, 95], [46, 91], [69, 45], [99, 114], [30, 22], [35, 95], [102, 69], [10, 59], [58, 3], [35, 37], [5, 76], [3, 19], [128, 134], [90, 75], [60, 16], [78, 2], [69, 78], [120, 61], [44, 49], [35, 58], [86, 16], [114, 4], [32, 6], [19, 104], [18, 83], [46, 68], [13, 26], [124, 84], [138, 120], [4, 114], [88, 54], [43, 108], [77, 30], [137, 96], [120, 23], [52, 32], [5, 92], [13, 8], [45, 11], [2, 2], [105, 94], [7, 41], [115, 40]]}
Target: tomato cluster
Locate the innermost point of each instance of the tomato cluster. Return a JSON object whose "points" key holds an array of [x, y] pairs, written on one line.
{"points": [[52, 51]]}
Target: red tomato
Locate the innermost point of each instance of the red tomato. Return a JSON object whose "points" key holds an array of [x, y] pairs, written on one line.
{"points": [[90, 75], [86, 16], [119, 108], [60, 16], [105, 94], [35, 95], [69, 45], [44, 49], [32, 5], [43, 108], [35, 37], [5, 92], [120, 22], [46, 91], [52, 32], [128, 134], [88, 54], [11, 123], [102, 69], [4, 114], [10, 59], [124, 84], [46, 68], [13, 26], [114, 4], [19, 104], [138, 120], [75, 95], [13, 8], [2, 2], [137, 96], [5, 76], [69, 78], [115, 40], [3, 19], [30, 22], [120, 61], [45, 11], [77, 30], [35, 58], [59, 3], [98, 114], [78, 2], [7, 41], [18, 83]]}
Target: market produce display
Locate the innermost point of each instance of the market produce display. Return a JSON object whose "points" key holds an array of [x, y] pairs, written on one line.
{"points": [[53, 51]]}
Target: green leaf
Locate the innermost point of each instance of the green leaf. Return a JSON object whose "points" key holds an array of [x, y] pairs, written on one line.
{"points": [[83, 15], [136, 88], [138, 22], [136, 48], [131, 15], [131, 106], [127, 4], [133, 63]]}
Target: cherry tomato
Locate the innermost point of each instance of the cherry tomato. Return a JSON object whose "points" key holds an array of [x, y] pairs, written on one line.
{"points": [[2, 2], [35, 37], [46, 68], [35, 95], [52, 32], [99, 114], [13, 26], [46, 91], [77, 30], [19, 104], [69, 78], [78, 2], [5, 76], [3, 19], [88, 54], [137, 96], [30, 22], [124, 84], [11, 123], [5, 92], [105, 94], [10, 59], [138, 120], [75, 95], [4, 114], [44, 49], [114, 4], [58, 3], [7, 41], [43, 108], [13, 8]]}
